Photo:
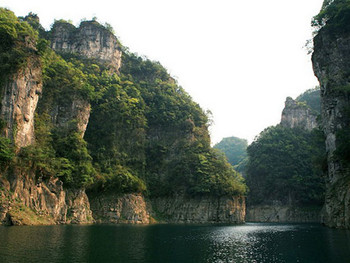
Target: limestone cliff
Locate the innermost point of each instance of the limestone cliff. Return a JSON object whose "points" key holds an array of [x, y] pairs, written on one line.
{"points": [[298, 115], [20, 95], [43, 181], [117, 208], [284, 214], [135, 209], [73, 109], [331, 63], [205, 209], [26, 201], [90, 40]]}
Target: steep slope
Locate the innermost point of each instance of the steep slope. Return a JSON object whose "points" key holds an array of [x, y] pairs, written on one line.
{"points": [[298, 115], [331, 63], [107, 122], [235, 150], [284, 170], [27, 197]]}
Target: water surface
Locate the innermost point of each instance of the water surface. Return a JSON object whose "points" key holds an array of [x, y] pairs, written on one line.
{"points": [[251, 243]]}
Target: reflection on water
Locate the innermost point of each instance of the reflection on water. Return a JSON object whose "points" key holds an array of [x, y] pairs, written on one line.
{"points": [[175, 243]]}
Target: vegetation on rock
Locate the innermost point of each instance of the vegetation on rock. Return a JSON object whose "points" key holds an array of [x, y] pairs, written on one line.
{"points": [[235, 150], [145, 133], [311, 98], [335, 14], [286, 165]]}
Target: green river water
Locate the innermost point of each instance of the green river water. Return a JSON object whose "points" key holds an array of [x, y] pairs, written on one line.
{"points": [[252, 242]]}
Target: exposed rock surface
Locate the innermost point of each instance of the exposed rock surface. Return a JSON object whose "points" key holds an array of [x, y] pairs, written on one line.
{"points": [[331, 63], [24, 200], [73, 109], [298, 115], [90, 40], [283, 214], [200, 209], [114, 208], [19, 100]]}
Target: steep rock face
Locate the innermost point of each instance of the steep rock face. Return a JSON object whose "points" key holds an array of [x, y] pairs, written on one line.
{"points": [[73, 109], [24, 200], [331, 63], [19, 100], [200, 209], [114, 208], [283, 214], [78, 207], [90, 40], [298, 115]]}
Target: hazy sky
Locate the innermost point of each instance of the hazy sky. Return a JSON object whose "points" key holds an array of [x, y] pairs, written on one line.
{"points": [[238, 58]]}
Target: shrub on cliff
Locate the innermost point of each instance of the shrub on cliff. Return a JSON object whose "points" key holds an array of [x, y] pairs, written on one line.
{"points": [[6, 151], [15, 36], [335, 14]]}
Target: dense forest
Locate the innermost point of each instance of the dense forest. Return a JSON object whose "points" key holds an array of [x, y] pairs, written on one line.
{"points": [[235, 150], [286, 165], [145, 133]]}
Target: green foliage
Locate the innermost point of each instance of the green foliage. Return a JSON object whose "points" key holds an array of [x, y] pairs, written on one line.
{"points": [[119, 179], [312, 98], [282, 166], [62, 81], [145, 133], [15, 36], [71, 148], [335, 14], [178, 154], [235, 150], [6, 151], [109, 28], [33, 20], [40, 157]]}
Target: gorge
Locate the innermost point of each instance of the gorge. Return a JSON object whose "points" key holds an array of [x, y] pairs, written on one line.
{"points": [[91, 132]]}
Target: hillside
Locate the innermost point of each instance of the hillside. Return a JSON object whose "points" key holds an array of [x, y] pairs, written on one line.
{"points": [[235, 149], [80, 113], [286, 165]]}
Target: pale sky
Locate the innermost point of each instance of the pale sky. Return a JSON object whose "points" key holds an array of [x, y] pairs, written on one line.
{"points": [[239, 59]]}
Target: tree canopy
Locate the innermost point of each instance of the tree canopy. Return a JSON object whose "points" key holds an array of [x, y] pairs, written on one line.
{"points": [[235, 150], [286, 165]]}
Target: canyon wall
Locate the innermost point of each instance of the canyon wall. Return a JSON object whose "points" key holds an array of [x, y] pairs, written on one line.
{"points": [[298, 115], [283, 214], [331, 63]]}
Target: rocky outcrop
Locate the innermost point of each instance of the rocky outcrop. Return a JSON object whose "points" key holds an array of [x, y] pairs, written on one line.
{"points": [[25, 200], [90, 40], [331, 63], [120, 208], [19, 100], [209, 209], [298, 115], [73, 109], [283, 214]]}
